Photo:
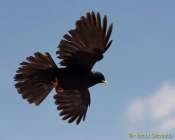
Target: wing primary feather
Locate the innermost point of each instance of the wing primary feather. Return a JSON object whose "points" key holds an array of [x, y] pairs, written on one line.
{"points": [[108, 45], [104, 24], [99, 20], [67, 116], [88, 15], [93, 18], [73, 118], [108, 33], [79, 118]]}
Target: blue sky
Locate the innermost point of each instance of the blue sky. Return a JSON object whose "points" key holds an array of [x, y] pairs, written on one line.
{"points": [[139, 68]]}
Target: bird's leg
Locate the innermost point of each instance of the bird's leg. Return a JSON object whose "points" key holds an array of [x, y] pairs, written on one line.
{"points": [[57, 86]]}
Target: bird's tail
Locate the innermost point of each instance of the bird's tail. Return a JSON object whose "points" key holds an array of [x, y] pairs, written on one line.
{"points": [[34, 78]]}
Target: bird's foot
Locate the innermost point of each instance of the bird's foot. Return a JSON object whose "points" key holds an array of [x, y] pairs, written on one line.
{"points": [[57, 86], [59, 89]]}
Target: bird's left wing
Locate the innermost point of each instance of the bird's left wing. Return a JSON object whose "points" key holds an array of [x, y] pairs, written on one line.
{"points": [[73, 104], [85, 44]]}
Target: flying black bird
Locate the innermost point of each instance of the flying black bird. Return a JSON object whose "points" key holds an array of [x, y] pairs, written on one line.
{"points": [[79, 50]]}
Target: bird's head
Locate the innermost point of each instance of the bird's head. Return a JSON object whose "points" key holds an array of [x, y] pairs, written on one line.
{"points": [[99, 77]]}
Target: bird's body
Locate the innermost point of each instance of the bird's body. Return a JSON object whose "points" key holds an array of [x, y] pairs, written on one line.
{"points": [[73, 78], [79, 51]]}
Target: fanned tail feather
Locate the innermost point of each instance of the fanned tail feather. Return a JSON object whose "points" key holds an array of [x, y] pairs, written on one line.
{"points": [[34, 77]]}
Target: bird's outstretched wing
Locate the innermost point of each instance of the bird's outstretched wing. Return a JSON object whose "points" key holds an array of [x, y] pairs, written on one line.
{"points": [[73, 104], [85, 45]]}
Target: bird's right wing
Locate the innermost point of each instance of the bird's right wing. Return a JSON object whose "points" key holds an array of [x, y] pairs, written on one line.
{"points": [[85, 44], [73, 104]]}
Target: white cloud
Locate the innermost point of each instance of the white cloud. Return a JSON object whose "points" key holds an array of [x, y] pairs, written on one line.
{"points": [[167, 125], [136, 110], [162, 102], [157, 107]]}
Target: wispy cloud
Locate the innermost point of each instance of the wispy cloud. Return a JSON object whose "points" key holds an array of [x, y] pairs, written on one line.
{"points": [[168, 124], [136, 111], [158, 107]]}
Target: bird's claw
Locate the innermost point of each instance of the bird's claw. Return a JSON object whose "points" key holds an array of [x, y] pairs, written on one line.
{"points": [[57, 86]]}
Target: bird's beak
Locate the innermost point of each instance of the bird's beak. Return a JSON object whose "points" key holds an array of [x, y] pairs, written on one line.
{"points": [[104, 82]]}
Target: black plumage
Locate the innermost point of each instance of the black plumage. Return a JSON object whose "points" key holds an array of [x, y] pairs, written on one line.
{"points": [[79, 50]]}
